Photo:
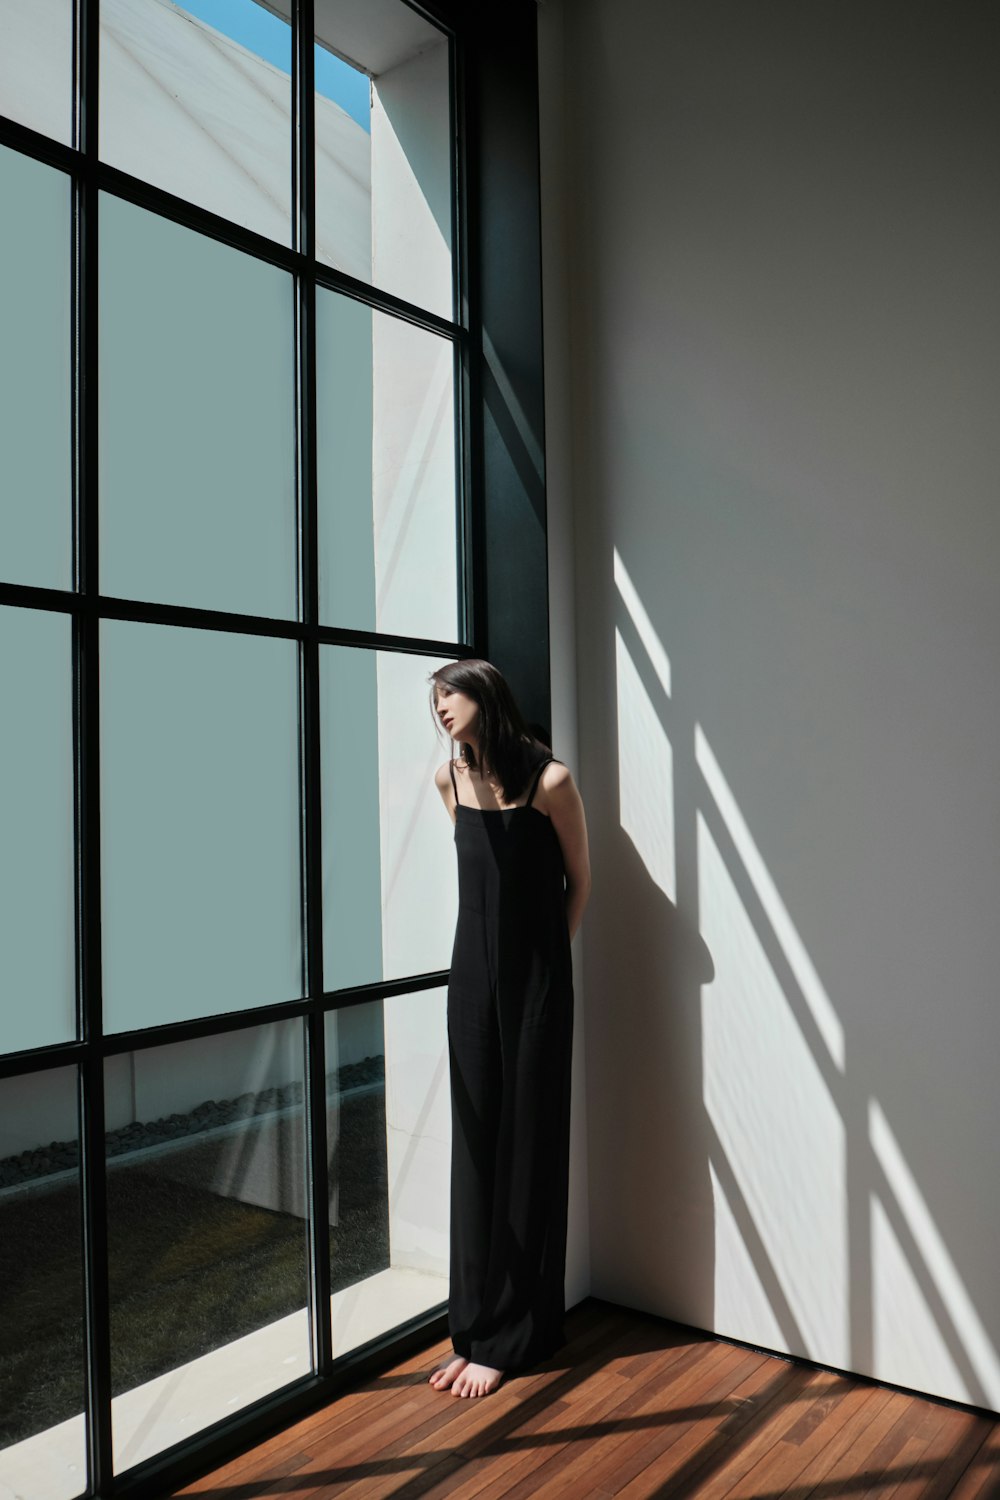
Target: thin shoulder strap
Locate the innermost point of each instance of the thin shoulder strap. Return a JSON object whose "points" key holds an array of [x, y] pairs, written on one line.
{"points": [[538, 776], [454, 783]]}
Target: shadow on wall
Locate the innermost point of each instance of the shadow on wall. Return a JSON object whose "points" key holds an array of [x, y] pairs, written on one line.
{"points": [[802, 1224]]}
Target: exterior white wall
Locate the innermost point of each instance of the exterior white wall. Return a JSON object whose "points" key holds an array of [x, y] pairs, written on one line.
{"points": [[413, 484], [194, 112], [36, 65], [785, 225], [411, 233]]}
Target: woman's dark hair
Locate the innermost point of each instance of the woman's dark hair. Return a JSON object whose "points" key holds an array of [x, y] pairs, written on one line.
{"points": [[509, 748]]}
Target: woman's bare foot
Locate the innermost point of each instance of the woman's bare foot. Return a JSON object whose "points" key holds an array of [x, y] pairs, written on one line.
{"points": [[443, 1377], [476, 1380]]}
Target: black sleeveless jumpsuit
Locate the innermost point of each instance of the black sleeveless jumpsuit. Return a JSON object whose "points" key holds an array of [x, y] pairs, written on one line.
{"points": [[510, 1034]]}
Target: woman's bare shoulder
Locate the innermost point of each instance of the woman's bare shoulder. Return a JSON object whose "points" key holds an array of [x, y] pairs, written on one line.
{"points": [[555, 776], [442, 776]]}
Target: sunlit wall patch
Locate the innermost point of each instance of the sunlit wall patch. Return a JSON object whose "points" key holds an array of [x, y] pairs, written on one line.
{"points": [[629, 595], [779, 1131], [901, 1311], [809, 982], [645, 754], [645, 774]]}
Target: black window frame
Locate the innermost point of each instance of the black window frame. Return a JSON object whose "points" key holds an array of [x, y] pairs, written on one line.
{"points": [[501, 486]]}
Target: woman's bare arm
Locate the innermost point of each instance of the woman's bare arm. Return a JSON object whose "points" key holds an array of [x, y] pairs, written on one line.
{"points": [[442, 780], [564, 805]]}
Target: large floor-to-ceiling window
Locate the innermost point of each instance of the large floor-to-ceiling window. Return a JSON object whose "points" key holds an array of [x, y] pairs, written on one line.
{"points": [[241, 521]]}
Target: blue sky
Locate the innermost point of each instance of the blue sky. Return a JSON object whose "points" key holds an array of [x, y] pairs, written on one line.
{"points": [[256, 29]]}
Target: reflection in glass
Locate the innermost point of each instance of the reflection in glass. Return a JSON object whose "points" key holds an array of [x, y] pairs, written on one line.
{"points": [[389, 895], [207, 1231], [389, 1133], [36, 516], [42, 1452], [387, 476], [197, 441], [197, 100], [200, 823], [36, 66], [356, 1142], [36, 818]]}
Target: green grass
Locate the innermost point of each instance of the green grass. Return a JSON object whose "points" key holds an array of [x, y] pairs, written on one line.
{"points": [[189, 1269]]}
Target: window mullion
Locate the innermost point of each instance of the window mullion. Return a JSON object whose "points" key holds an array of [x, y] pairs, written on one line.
{"points": [[100, 1457], [304, 200]]}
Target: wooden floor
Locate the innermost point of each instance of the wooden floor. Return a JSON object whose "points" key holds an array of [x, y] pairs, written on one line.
{"points": [[633, 1406]]}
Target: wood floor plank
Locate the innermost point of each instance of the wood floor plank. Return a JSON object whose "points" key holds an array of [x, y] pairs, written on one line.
{"points": [[633, 1407], [811, 1480], [869, 1455], [584, 1462], [655, 1424], [635, 1425], [810, 1443], [937, 1459], [957, 1461], [781, 1416], [516, 1466], [893, 1459], [833, 1405], [703, 1451], [981, 1478]]}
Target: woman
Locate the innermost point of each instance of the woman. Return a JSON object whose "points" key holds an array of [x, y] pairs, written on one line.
{"points": [[523, 882]]}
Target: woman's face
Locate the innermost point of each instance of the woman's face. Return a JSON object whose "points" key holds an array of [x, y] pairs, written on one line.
{"points": [[457, 711]]}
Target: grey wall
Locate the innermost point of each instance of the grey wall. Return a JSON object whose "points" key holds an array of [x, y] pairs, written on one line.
{"points": [[783, 363], [561, 573]]}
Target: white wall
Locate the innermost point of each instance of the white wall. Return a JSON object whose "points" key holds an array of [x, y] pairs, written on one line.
{"points": [[784, 359]]}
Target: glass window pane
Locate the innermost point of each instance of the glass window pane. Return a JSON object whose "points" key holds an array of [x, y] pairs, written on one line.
{"points": [[42, 1442], [389, 1139], [343, 165], [197, 440], [37, 985], [355, 1114], [197, 100], [36, 65], [386, 472], [36, 518], [207, 1237], [392, 147], [389, 879], [199, 823]]}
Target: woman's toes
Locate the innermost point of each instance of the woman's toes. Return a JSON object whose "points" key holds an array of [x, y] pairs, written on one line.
{"points": [[445, 1376], [477, 1380]]}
